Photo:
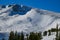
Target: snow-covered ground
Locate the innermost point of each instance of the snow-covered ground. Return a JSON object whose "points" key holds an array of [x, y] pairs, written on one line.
{"points": [[51, 37], [34, 20]]}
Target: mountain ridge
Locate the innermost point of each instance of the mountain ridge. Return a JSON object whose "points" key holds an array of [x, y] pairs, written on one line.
{"points": [[32, 20]]}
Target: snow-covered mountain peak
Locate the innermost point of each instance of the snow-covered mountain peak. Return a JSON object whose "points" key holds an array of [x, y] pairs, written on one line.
{"points": [[14, 9], [22, 18]]}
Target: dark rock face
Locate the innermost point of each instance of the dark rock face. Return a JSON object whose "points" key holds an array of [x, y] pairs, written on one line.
{"points": [[19, 9], [9, 5], [3, 6], [16, 8]]}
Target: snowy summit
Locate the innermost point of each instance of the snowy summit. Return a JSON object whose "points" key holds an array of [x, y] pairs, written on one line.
{"points": [[27, 19]]}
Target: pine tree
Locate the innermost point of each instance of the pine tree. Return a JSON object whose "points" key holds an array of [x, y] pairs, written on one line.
{"points": [[57, 32], [49, 32], [16, 36], [40, 35], [59, 36], [11, 37], [27, 36], [44, 33], [22, 36], [34, 36], [19, 37], [31, 36]]}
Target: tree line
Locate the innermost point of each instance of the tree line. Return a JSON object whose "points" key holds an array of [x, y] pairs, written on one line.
{"points": [[34, 35], [31, 36]]}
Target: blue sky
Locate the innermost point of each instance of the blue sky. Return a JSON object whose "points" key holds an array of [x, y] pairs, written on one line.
{"points": [[52, 5]]}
